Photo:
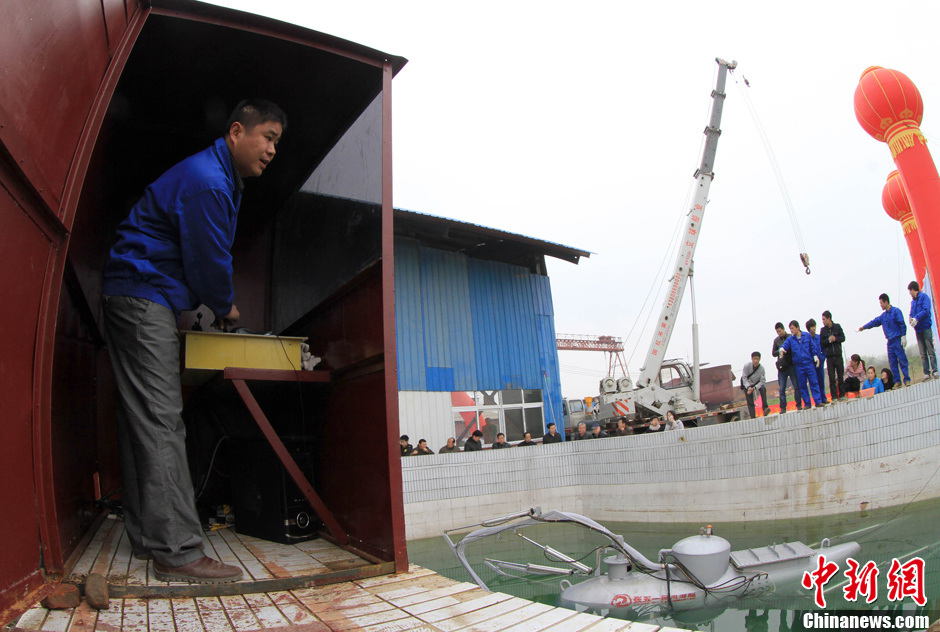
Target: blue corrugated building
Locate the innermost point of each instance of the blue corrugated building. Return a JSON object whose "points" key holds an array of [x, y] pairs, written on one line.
{"points": [[475, 330]]}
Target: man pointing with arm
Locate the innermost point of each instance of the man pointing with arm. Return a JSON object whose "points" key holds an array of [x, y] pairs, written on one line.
{"points": [[173, 253], [892, 324]]}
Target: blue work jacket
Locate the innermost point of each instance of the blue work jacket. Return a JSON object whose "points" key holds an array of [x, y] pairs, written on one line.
{"points": [[174, 247], [891, 322], [920, 309], [802, 349]]}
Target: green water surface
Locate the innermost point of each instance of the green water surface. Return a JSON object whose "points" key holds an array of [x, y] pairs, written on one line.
{"points": [[897, 532]]}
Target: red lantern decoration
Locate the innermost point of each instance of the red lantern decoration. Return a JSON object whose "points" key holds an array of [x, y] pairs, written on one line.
{"points": [[885, 98], [889, 107], [894, 200]]}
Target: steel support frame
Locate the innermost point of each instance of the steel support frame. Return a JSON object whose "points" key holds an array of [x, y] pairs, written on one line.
{"points": [[238, 379]]}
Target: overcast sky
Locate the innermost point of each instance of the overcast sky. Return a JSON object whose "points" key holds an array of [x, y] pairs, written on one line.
{"points": [[581, 123]]}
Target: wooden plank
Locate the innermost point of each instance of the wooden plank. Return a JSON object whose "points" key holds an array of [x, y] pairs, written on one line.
{"points": [[117, 571], [610, 625], [57, 620], [186, 615], [242, 618], [391, 579], [160, 615], [84, 618], [359, 622], [215, 621], [110, 620], [637, 626], [497, 623], [580, 621], [428, 595], [410, 586], [253, 568], [464, 607], [32, 619], [85, 562], [544, 621], [408, 624], [297, 614], [483, 614], [135, 614], [137, 572]]}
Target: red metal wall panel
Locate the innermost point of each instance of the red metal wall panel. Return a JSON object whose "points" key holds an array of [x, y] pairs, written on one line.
{"points": [[53, 58], [115, 18], [26, 251]]}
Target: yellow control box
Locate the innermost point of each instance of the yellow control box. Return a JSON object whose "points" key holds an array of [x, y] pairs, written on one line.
{"points": [[214, 351]]}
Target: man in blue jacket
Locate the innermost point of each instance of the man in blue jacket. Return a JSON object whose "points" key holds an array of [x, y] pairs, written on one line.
{"points": [[173, 253], [922, 321], [892, 324], [804, 350]]}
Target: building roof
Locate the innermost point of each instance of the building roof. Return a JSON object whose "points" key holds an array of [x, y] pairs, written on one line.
{"points": [[480, 241]]}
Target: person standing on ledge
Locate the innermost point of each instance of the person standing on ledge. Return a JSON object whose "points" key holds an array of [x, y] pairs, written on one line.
{"points": [[922, 322], [173, 253], [892, 324]]}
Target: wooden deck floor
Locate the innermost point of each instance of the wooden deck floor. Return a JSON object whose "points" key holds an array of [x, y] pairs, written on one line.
{"points": [[267, 566], [419, 601]]}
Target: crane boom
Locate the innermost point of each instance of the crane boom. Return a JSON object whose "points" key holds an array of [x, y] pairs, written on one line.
{"points": [[683, 269]]}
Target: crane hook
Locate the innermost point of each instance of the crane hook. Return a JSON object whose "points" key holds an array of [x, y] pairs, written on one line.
{"points": [[804, 259]]}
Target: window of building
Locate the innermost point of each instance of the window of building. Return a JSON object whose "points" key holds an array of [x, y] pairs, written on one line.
{"points": [[512, 412]]}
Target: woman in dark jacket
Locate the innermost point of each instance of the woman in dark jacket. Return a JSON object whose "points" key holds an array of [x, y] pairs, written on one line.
{"points": [[887, 377]]}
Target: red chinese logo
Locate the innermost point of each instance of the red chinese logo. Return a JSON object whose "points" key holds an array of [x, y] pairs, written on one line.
{"points": [[621, 601], [861, 582], [819, 578], [907, 580]]}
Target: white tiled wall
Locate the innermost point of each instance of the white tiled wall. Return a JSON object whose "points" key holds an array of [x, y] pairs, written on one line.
{"points": [[881, 451]]}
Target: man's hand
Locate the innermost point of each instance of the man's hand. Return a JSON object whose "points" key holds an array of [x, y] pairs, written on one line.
{"points": [[903, 341], [782, 351], [913, 322], [861, 328], [832, 338], [750, 390], [816, 362], [229, 319]]}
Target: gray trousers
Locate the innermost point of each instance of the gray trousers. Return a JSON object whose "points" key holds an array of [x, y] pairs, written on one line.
{"points": [[159, 507], [927, 355]]}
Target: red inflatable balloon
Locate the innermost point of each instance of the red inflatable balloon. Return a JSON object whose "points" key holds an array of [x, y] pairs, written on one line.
{"points": [[896, 205]]}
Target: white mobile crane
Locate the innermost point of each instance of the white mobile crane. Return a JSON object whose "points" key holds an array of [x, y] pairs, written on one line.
{"points": [[663, 384]]}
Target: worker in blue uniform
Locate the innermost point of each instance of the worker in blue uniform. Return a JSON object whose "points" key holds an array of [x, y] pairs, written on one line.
{"points": [[921, 321], [173, 253], [892, 324], [820, 374], [805, 352]]}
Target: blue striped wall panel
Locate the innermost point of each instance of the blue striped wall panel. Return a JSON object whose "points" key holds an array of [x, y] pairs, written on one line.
{"points": [[409, 322], [469, 324], [448, 329]]}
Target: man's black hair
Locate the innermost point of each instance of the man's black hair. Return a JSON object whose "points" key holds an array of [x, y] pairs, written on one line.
{"points": [[827, 314], [499, 434], [477, 433], [550, 424], [811, 323], [913, 285], [779, 326], [422, 441], [755, 354], [794, 323], [402, 438], [251, 112], [884, 297]]}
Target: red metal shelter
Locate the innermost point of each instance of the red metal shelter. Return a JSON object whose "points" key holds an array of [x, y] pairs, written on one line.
{"points": [[97, 98]]}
